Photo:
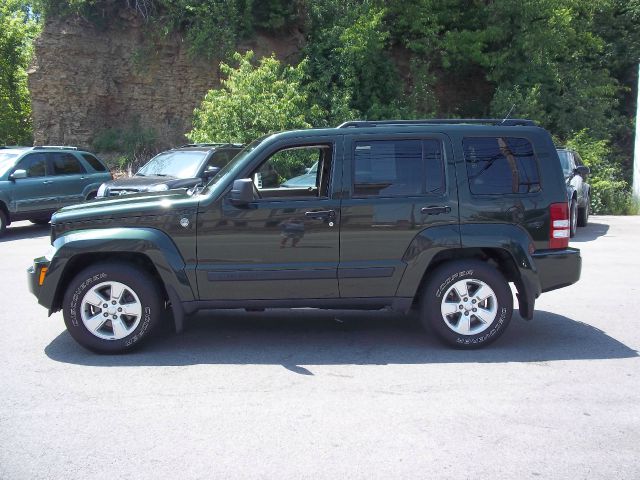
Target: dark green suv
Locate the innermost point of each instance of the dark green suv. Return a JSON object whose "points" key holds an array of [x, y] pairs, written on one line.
{"points": [[37, 181], [439, 216]]}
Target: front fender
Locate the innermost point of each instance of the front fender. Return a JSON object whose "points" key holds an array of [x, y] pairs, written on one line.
{"points": [[153, 244]]}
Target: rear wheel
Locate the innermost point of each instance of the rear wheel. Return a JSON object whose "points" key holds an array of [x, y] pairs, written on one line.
{"points": [[467, 303], [583, 214], [573, 218], [112, 308]]}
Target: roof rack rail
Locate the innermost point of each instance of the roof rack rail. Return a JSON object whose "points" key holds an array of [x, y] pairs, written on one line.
{"points": [[211, 145], [509, 122], [200, 145], [56, 147]]}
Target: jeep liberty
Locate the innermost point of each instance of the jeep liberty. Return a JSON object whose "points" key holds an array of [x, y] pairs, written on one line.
{"points": [[440, 216]]}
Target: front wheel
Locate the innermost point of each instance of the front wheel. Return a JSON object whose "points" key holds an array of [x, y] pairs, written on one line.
{"points": [[467, 303], [3, 222], [112, 308]]}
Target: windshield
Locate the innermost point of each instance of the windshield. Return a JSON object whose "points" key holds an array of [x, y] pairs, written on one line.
{"points": [[179, 164], [7, 161], [564, 161], [234, 164]]}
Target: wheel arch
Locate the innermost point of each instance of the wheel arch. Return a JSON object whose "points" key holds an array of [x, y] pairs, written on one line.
{"points": [[81, 261], [149, 249], [507, 247], [5, 210]]}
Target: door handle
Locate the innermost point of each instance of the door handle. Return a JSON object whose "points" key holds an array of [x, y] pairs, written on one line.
{"points": [[46, 182], [321, 214], [435, 210]]}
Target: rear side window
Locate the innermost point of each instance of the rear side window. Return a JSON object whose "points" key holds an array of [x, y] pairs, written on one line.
{"points": [[500, 165], [398, 168], [94, 162], [65, 164]]}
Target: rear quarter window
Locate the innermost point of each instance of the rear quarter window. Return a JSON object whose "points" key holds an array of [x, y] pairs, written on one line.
{"points": [[501, 165], [94, 162]]}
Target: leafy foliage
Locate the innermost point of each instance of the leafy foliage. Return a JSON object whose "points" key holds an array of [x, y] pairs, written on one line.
{"points": [[17, 29], [253, 101]]}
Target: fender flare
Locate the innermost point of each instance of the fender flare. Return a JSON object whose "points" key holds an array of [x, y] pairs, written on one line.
{"points": [[154, 244]]}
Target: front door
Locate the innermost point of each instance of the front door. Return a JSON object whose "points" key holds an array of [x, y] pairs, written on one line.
{"points": [[283, 246], [33, 196]]}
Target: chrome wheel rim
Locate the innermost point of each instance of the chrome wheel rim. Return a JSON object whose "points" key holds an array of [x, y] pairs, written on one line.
{"points": [[469, 307], [111, 310]]}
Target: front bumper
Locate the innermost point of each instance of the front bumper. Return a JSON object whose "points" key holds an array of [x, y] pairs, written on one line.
{"points": [[557, 268], [33, 279]]}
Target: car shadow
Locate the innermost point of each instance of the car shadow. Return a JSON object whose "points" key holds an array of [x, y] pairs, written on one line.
{"points": [[591, 232], [293, 338], [24, 231]]}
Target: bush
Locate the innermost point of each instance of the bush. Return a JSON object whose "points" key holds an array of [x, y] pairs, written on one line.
{"points": [[610, 193], [134, 143], [253, 100]]}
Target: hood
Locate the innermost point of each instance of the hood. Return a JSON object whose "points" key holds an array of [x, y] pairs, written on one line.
{"points": [[136, 205], [142, 183]]}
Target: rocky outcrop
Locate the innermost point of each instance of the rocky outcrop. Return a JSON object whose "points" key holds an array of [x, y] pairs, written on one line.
{"points": [[87, 79]]}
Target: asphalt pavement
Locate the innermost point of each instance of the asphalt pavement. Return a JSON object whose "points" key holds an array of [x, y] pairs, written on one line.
{"points": [[290, 394]]}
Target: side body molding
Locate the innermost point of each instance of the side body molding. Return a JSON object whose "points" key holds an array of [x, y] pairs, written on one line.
{"points": [[90, 244]]}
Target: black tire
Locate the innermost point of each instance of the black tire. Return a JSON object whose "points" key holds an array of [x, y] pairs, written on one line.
{"points": [[40, 221], [583, 214], [439, 290], [3, 222], [91, 196], [99, 276], [573, 218]]}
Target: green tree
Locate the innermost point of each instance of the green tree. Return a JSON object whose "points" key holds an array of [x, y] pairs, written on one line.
{"points": [[18, 27], [253, 100]]}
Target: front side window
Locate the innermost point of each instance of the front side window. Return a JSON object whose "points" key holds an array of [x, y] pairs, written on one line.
{"points": [[296, 171], [500, 165], [398, 168], [66, 164], [35, 165]]}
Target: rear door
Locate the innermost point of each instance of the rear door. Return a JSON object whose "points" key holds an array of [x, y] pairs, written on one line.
{"points": [[69, 177], [397, 187]]}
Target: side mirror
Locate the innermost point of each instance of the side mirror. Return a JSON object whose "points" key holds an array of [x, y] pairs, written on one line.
{"points": [[582, 170], [242, 193], [210, 172], [18, 174]]}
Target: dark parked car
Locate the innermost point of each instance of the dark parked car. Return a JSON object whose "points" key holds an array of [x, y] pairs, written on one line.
{"points": [[37, 181], [439, 216], [182, 167], [578, 190]]}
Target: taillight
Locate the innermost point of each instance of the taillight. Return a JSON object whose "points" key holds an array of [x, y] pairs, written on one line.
{"points": [[559, 230]]}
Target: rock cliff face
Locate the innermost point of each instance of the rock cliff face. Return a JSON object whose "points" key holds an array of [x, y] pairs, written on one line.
{"points": [[86, 80]]}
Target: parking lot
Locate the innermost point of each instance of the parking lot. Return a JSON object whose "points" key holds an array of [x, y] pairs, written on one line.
{"points": [[312, 394]]}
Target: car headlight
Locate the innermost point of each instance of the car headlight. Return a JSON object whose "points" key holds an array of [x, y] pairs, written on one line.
{"points": [[158, 188], [102, 191]]}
